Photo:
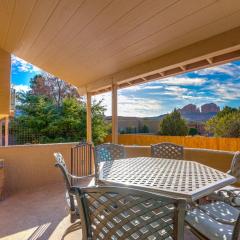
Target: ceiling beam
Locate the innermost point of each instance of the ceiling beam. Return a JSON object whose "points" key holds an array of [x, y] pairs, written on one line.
{"points": [[194, 56]]}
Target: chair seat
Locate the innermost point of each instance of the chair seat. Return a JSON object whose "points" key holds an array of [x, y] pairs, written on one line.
{"points": [[208, 226], [83, 182], [88, 181], [221, 211]]}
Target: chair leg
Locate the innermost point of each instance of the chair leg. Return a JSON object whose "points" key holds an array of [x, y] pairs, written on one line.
{"points": [[74, 227], [72, 217], [195, 232]]}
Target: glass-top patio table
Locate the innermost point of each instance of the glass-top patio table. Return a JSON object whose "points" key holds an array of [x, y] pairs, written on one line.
{"points": [[175, 178]]}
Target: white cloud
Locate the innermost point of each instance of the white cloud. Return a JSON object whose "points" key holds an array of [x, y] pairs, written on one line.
{"points": [[228, 91], [153, 87], [187, 81], [138, 106], [22, 66], [230, 69], [21, 87], [171, 91], [131, 105]]}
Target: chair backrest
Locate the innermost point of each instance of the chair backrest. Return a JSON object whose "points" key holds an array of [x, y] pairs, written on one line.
{"points": [[107, 152], [123, 213], [235, 166], [81, 160], [62, 166], [167, 150]]}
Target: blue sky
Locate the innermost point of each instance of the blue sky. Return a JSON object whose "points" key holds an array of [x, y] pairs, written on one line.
{"points": [[219, 84]]}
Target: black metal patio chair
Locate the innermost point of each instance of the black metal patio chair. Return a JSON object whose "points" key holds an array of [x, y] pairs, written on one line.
{"points": [[123, 213], [107, 152], [68, 179], [167, 150], [219, 218]]}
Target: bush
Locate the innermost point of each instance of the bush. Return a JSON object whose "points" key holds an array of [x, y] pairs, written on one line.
{"points": [[225, 124], [173, 125]]}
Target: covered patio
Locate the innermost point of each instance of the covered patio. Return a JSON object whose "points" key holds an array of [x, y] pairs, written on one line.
{"points": [[35, 207], [99, 46]]}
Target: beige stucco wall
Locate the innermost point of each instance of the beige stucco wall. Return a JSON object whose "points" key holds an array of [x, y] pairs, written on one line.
{"points": [[217, 159], [32, 166]]}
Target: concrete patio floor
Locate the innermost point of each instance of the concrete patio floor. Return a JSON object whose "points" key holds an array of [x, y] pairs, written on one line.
{"points": [[40, 214]]}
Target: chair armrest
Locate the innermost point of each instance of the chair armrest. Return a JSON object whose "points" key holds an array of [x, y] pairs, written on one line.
{"points": [[80, 177], [72, 191], [230, 196]]}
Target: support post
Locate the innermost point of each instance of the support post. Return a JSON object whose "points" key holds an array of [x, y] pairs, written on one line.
{"points": [[114, 114], [5, 75], [6, 131], [1, 135], [89, 118]]}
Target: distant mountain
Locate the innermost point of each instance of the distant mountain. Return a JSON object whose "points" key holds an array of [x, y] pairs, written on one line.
{"points": [[192, 113], [189, 112], [190, 108], [210, 108]]}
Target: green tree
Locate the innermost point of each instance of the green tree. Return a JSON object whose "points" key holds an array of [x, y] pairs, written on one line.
{"points": [[192, 131], [46, 120], [144, 129], [225, 111], [225, 124], [173, 125]]}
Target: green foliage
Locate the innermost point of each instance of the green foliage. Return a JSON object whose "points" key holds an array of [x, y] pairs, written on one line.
{"points": [[144, 129], [173, 125], [192, 131], [225, 124], [131, 130], [226, 110], [46, 121]]}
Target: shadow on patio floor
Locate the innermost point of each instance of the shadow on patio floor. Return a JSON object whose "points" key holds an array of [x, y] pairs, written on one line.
{"points": [[40, 214]]}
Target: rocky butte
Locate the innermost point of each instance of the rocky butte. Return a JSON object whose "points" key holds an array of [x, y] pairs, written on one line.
{"points": [[210, 107], [190, 112]]}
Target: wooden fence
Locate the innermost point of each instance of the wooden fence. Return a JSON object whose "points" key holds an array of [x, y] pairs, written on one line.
{"points": [[226, 144]]}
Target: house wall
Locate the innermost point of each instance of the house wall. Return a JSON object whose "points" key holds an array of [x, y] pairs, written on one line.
{"points": [[32, 166]]}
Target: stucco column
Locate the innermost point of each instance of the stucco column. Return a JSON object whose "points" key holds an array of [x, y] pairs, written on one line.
{"points": [[89, 118], [5, 71], [114, 114], [6, 131], [1, 135]]}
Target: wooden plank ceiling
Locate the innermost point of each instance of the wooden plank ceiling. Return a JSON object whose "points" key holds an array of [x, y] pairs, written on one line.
{"points": [[90, 42]]}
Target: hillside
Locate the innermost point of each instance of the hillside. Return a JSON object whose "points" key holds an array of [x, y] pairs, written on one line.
{"points": [[189, 112]]}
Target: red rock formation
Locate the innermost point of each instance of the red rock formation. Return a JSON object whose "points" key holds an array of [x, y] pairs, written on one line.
{"points": [[210, 107], [190, 108]]}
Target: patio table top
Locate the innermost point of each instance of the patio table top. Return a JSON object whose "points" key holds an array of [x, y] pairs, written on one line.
{"points": [[175, 178]]}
